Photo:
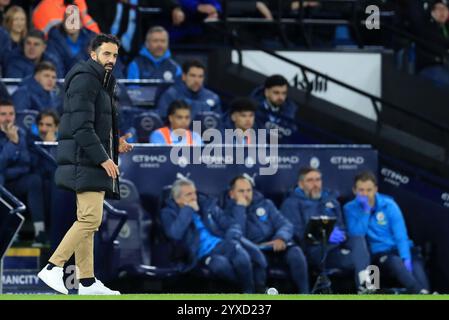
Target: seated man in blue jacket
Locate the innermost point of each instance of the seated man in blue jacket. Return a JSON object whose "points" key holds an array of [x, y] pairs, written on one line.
{"points": [[21, 62], [273, 101], [378, 218], [154, 60], [16, 172], [191, 91], [199, 224], [310, 200], [261, 223], [39, 92]]}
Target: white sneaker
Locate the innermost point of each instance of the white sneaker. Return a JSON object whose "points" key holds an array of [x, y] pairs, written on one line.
{"points": [[53, 278], [97, 288]]}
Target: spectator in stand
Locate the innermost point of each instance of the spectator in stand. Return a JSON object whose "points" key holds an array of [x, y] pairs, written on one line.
{"points": [[47, 123], [273, 101], [68, 43], [5, 48], [5, 39], [191, 90], [378, 218], [309, 200], [154, 60], [3, 5], [121, 19], [23, 60], [40, 91], [16, 169], [198, 224], [432, 59], [15, 23], [262, 224], [177, 132], [49, 13], [242, 116]]}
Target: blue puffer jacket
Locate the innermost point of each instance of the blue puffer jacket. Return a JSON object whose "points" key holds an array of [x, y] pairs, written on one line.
{"points": [[298, 209], [31, 95], [287, 110], [203, 100], [58, 45], [15, 159], [384, 228], [146, 66], [261, 221], [179, 226], [19, 66]]}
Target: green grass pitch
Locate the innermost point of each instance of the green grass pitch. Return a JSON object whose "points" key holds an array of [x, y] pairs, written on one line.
{"points": [[225, 297]]}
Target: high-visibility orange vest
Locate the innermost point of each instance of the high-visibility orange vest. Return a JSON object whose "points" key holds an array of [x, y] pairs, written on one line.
{"points": [[166, 133], [49, 13]]}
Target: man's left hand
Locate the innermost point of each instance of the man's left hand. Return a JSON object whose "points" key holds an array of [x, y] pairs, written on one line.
{"points": [[124, 146]]}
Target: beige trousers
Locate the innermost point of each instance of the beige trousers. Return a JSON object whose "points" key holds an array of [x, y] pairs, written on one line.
{"points": [[79, 238]]}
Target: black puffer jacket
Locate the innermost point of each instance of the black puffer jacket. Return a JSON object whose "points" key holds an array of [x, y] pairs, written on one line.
{"points": [[88, 133]]}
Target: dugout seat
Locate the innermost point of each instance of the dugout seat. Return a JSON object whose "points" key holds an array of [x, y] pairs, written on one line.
{"points": [[26, 118], [144, 124]]}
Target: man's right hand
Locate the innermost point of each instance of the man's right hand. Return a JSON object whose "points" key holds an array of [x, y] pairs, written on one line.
{"points": [[240, 200], [11, 131], [111, 168], [194, 205]]}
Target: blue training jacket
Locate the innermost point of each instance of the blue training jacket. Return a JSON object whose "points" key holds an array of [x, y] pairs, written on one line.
{"points": [[384, 228], [298, 209], [261, 221], [146, 66], [30, 95], [203, 100], [19, 66], [179, 225]]}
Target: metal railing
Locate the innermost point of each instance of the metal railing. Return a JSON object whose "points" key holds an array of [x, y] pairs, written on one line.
{"points": [[15, 208]]}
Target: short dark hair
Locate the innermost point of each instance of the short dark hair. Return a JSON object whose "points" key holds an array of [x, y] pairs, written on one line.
{"points": [[305, 171], [44, 65], [365, 176], [103, 38], [193, 63], [275, 81], [243, 104], [6, 102], [240, 177], [36, 34], [48, 113], [177, 105]]}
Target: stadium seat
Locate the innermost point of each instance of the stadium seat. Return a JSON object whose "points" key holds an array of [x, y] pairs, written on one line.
{"points": [[26, 118], [127, 115], [134, 235], [209, 120], [144, 124]]}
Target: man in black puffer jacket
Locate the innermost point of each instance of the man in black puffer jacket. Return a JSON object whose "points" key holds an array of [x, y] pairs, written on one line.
{"points": [[87, 161]]}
